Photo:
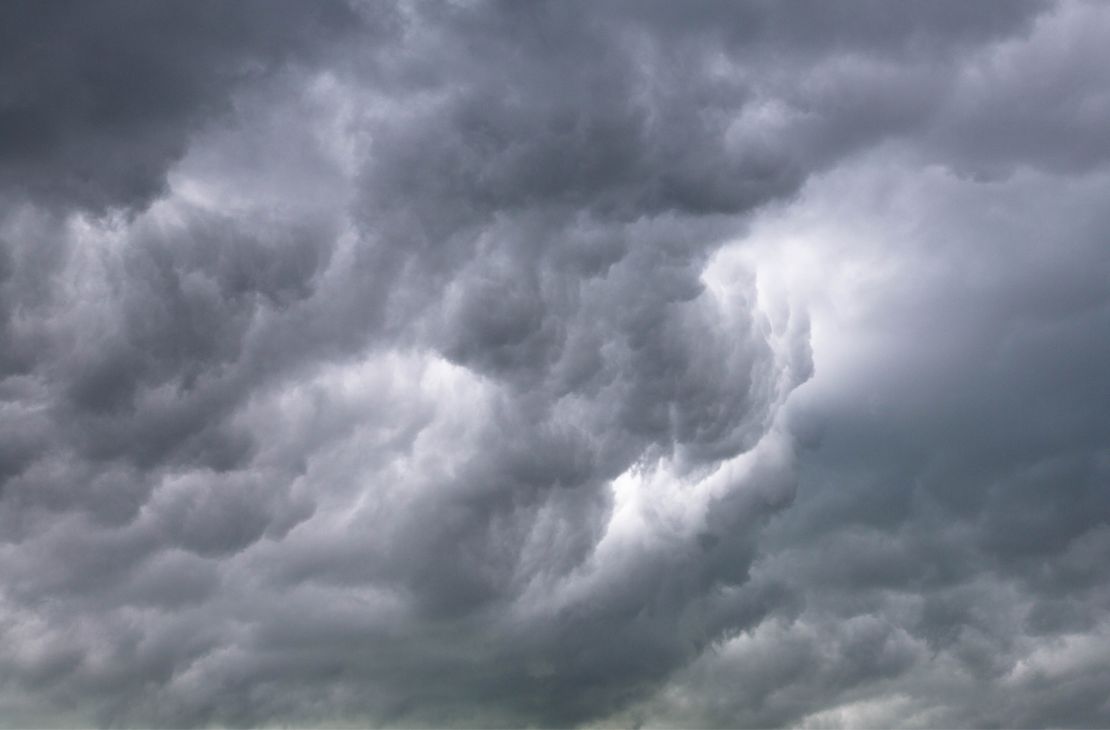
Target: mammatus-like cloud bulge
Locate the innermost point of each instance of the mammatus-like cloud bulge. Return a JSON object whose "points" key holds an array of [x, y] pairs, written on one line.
{"points": [[458, 364]]}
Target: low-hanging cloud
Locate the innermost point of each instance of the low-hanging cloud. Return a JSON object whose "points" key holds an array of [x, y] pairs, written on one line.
{"points": [[417, 363]]}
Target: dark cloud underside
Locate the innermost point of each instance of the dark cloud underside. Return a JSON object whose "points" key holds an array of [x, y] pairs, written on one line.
{"points": [[553, 363]]}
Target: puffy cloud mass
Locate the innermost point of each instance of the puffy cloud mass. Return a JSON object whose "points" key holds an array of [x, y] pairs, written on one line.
{"points": [[554, 363]]}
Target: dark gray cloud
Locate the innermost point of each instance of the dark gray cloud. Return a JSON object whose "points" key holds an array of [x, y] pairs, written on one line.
{"points": [[460, 364], [97, 102]]}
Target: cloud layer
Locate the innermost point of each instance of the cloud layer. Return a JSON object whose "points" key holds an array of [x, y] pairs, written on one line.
{"points": [[497, 364]]}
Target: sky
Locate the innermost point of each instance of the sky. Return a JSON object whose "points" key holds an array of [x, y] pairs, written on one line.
{"points": [[566, 363]]}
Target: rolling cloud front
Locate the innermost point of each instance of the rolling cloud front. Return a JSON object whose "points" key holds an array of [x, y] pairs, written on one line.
{"points": [[623, 363]]}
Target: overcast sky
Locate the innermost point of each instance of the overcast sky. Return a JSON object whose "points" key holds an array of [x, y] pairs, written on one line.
{"points": [[567, 363]]}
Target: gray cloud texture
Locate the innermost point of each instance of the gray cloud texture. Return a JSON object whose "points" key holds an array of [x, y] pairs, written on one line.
{"points": [[554, 363]]}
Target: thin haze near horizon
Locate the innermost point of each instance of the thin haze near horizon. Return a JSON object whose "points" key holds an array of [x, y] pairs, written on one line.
{"points": [[488, 363]]}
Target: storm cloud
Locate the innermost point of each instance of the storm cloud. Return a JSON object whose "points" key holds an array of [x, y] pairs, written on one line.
{"points": [[554, 363]]}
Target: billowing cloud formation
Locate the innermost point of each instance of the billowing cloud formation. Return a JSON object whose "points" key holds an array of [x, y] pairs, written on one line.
{"points": [[99, 101], [553, 363], [948, 542]]}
